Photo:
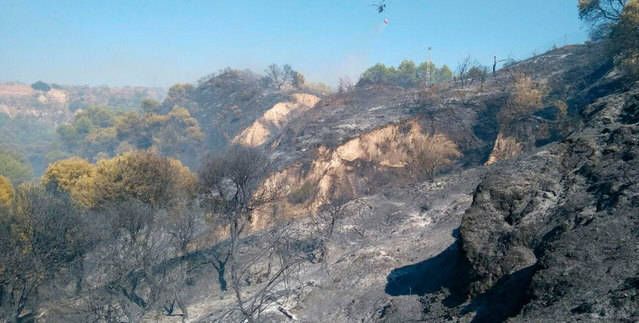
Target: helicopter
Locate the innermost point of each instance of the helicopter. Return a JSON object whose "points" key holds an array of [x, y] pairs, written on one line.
{"points": [[381, 6]]}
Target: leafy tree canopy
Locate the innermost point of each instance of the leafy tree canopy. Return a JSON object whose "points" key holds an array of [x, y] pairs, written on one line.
{"points": [[14, 167], [41, 86], [6, 191], [74, 176], [102, 133], [407, 74], [144, 176]]}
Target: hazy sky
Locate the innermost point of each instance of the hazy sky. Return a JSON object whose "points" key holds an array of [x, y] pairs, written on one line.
{"points": [[159, 43]]}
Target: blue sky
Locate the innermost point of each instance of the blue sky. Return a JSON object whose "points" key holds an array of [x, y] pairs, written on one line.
{"points": [[159, 43]]}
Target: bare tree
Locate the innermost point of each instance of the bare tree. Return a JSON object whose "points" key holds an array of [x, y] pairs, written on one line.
{"points": [[477, 73], [41, 233], [99, 307], [229, 185], [258, 268], [328, 214], [279, 77], [298, 81], [264, 274], [275, 76], [462, 69], [20, 277], [140, 277], [345, 85], [144, 269], [326, 220], [183, 222], [288, 74]]}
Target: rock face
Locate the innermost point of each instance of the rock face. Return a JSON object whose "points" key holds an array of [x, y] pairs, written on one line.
{"points": [[357, 166], [271, 123], [565, 222]]}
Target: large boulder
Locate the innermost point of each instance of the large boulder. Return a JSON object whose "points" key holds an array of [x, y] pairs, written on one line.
{"points": [[568, 219]]}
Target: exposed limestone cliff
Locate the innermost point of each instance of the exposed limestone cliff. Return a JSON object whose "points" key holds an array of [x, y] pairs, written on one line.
{"points": [[356, 167], [274, 119]]}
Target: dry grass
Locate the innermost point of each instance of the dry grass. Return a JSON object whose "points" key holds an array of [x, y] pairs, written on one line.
{"points": [[526, 96], [505, 148], [432, 152]]}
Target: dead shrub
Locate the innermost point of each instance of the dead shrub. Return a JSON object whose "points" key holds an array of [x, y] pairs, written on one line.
{"points": [[526, 95], [303, 193], [432, 152]]}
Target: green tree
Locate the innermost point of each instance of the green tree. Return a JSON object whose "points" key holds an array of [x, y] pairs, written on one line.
{"points": [[406, 74], [602, 15], [179, 94], [74, 176], [91, 132], [41, 86], [14, 167], [426, 72], [132, 128], [150, 106], [624, 43], [377, 74], [618, 22], [443, 74], [477, 73], [144, 176], [100, 132], [180, 91], [176, 133]]}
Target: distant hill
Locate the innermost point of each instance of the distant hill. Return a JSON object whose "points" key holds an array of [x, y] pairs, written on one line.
{"points": [[57, 103], [30, 114], [229, 102]]}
